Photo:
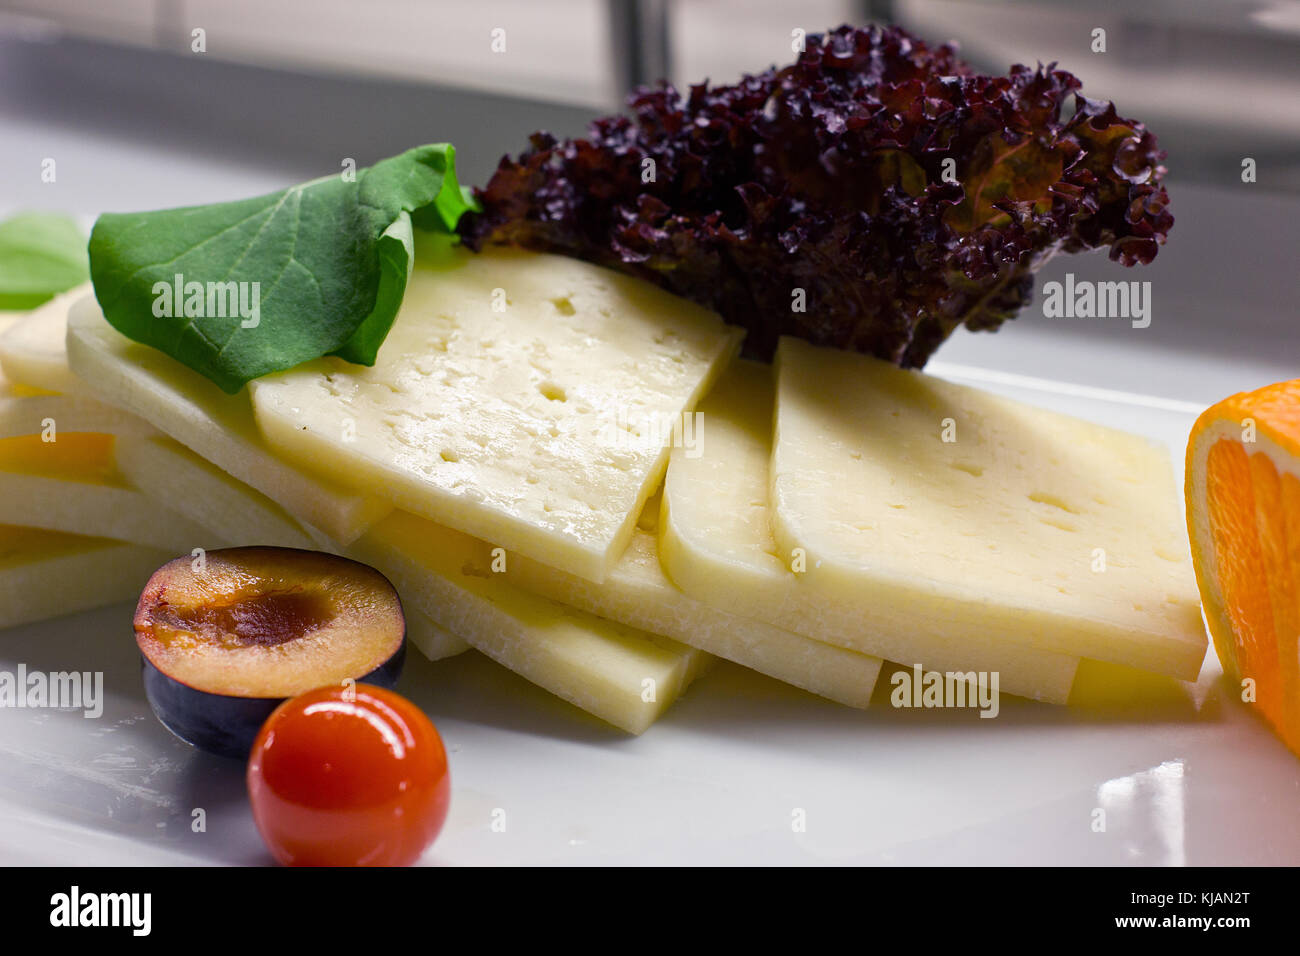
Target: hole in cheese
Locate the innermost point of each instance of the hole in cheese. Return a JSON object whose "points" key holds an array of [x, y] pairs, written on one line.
{"points": [[553, 392], [1059, 523], [1047, 498]]}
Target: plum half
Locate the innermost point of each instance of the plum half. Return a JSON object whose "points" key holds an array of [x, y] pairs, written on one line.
{"points": [[227, 636]]}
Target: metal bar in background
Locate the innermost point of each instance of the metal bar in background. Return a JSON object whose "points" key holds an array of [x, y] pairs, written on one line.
{"points": [[639, 43], [876, 11]]}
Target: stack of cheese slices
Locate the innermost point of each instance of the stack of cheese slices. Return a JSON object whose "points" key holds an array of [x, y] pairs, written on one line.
{"points": [[74, 533], [570, 471]]}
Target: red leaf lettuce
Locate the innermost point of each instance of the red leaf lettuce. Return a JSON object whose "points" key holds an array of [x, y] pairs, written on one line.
{"points": [[828, 175]]}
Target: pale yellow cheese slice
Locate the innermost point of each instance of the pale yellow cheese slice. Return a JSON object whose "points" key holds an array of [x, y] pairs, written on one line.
{"points": [[46, 574], [1027, 528], [234, 515], [217, 426], [33, 350], [24, 411], [28, 400], [572, 647], [621, 675], [71, 485], [639, 594], [430, 638], [7, 320], [715, 543], [522, 398]]}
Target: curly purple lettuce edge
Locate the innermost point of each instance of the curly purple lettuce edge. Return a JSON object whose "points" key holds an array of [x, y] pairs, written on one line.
{"points": [[881, 180]]}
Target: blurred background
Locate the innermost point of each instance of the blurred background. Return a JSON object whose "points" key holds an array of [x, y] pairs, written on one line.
{"points": [[150, 103]]}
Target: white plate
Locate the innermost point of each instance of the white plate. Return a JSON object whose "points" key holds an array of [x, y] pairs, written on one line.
{"points": [[1190, 777]]}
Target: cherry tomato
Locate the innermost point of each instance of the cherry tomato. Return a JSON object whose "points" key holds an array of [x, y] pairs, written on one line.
{"points": [[348, 777]]}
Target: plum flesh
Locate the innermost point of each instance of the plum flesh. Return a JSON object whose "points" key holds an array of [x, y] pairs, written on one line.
{"points": [[227, 637]]}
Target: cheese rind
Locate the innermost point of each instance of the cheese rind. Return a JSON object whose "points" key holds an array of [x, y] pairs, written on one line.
{"points": [[217, 426], [966, 516], [621, 675], [506, 400], [47, 574], [715, 543], [639, 594]]}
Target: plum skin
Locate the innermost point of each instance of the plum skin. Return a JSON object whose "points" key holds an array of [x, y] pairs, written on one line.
{"points": [[224, 725]]}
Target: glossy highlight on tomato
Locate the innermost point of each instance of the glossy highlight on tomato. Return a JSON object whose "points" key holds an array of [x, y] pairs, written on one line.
{"points": [[348, 776]]}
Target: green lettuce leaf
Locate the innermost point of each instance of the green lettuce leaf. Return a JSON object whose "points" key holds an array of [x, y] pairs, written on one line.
{"points": [[41, 255], [241, 289]]}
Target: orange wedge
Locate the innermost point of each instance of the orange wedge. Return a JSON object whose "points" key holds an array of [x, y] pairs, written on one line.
{"points": [[1243, 518]]}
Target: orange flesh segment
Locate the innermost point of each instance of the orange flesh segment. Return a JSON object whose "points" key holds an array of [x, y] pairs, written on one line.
{"points": [[1254, 516], [74, 456], [1271, 519], [1288, 637]]}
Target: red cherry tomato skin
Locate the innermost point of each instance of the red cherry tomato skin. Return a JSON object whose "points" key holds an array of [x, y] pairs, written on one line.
{"points": [[339, 782]]}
